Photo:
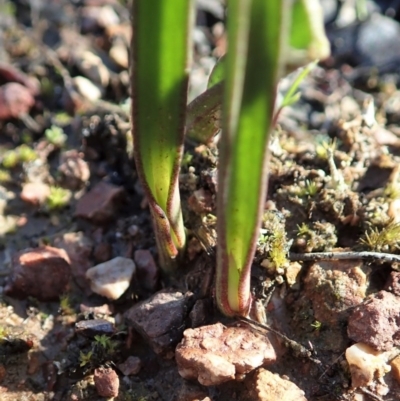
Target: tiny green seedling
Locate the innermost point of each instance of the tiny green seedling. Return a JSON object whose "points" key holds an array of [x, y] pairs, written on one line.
{"points": [[58, 198], [65, 305], [20, 154], [56, 136], [105, 342], [85, 358], [317, 325], [10, 159]]}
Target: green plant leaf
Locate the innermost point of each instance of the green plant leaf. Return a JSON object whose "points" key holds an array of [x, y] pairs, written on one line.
{"points": [[292, 96], [308, 40], [203, 118], [218, 73], [257, 30], [160, 60]]}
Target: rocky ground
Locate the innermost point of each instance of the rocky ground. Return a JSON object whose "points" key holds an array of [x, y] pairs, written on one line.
{"points": [[86, 314]]}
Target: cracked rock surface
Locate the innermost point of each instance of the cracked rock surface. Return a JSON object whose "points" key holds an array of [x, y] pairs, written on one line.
{"points": [[267, 386], [376, 322], [215, 354], [161, 319]]}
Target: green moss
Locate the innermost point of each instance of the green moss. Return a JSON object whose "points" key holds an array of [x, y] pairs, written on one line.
{"points": [[273, 240], [386, 239]]}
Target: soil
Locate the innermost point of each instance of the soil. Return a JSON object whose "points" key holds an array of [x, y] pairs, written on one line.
{"points": [[333, 187]]}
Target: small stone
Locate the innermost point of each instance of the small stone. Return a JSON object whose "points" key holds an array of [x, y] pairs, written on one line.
{"points": [[112, 278], [131, 366], [267, 386], [216, 354], [395, 364], [376, 322], [393, 283], [161, 319], [98, 17], [102, 310], [87, 88], [94, 327], [100, 204], [42, 273], [15, 100], [106, 382], [35, 193], [292, 274], [79, 248], [147, 271], [92, 67], [366, 364], [74, 171], [133, 230], [119, 53]]}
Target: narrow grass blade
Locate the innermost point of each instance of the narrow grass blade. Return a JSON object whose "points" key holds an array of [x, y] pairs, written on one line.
{"points": [[256, 32], [160, 54]]}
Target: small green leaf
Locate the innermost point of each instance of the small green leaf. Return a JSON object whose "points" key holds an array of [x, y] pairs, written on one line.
{"points": [[218, 73], [292, 96]]}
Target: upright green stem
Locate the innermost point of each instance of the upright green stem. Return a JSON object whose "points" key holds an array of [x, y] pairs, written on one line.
{"points": [[160, 64], [256, 31]]}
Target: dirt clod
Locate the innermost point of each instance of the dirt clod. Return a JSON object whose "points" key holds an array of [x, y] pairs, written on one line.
{"points": [[335, 286], [216, 354]]}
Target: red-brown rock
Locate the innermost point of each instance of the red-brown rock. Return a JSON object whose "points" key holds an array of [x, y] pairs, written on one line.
{"points": [[216, 354], [161, 319], [73, 170], [42, 273], [393, 283], [106, 382], [15, 100], [376, 322], [147, 271], [100, 204], [267, 386], [131, 366], [35, 193], [79, 248]]}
